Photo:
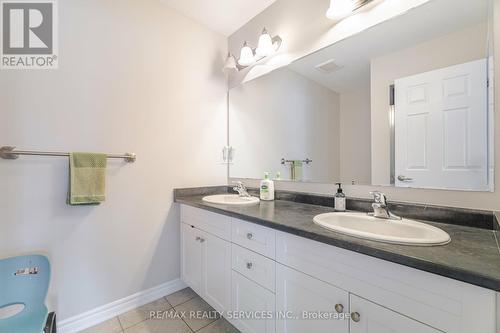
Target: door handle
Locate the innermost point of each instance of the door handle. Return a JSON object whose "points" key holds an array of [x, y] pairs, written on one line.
{"points": [[403, 178]]}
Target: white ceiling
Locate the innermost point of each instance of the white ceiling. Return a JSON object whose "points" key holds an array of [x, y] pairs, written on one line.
{"points": [[223, 16], [434, 19]]}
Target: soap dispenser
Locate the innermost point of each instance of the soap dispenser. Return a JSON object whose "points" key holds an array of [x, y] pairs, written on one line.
{"points": [[266, 188], [340, 199]]}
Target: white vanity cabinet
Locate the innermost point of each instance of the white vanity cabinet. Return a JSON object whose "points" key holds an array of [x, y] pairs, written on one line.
{"points": [[206, 263], [253, 277], [253, 306], [216, 274], [329, 309], [257, 271], [191, 257], [297, 292]]}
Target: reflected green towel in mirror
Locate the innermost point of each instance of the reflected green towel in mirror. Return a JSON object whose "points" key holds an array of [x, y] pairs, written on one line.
{"points": [[297, 170], [87, 178]]}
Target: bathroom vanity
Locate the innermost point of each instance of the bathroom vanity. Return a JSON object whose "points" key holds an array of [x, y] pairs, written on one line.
{"points": [[271, 261], [402, 104]]}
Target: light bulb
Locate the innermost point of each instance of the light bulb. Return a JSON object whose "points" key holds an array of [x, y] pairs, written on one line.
{"points": [[230, 64], [339, 9], [246, 56], [265, 46]]}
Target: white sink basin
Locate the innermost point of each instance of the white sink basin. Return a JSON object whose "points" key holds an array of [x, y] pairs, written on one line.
{"points": [[231, 199], [405, 232]]}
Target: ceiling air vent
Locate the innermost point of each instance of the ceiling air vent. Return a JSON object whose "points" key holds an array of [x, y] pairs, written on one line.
{"points": [[328, 67]]}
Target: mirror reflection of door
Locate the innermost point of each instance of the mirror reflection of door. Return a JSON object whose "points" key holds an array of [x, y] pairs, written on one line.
{"points": [[441, 128]]}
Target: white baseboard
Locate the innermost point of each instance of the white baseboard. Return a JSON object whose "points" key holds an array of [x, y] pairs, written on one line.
{"points": [[113, 309]]}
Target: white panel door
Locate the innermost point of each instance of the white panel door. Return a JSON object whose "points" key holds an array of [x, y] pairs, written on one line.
{"points": [[250, 299], [217, 272], [191, 257], [441, 127], [297, 292], [373, 318]]}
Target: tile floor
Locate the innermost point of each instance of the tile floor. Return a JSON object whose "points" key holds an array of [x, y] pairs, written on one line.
{"points": [[176, 304]]}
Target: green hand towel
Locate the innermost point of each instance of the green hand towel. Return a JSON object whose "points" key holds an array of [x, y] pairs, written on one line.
{"points": [[87, 178], [297, 170]]}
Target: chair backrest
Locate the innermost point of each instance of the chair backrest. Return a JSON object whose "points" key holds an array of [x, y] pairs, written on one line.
{"points": [[18, 284]]}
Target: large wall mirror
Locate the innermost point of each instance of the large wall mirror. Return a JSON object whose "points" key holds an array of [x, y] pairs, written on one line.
{"points": [[406, 103]]}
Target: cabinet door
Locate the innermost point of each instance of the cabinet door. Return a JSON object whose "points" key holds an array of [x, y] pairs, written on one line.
{"points": [[249, 298], [217, 272], [191, 257], [302, 298], [368, 317]]}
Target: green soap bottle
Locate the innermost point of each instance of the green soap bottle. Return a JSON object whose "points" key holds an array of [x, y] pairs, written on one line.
{"points": [[266, 188]]}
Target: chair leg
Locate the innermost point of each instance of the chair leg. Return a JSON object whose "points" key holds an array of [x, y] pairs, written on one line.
{"points": [[50, 326]]}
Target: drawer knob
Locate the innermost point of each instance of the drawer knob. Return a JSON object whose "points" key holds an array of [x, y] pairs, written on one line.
{"points": [[356, 317], [198, 238], [249, 265], [249, 235], [339, 308]]}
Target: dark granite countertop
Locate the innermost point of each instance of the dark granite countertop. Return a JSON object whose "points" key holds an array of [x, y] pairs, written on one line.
{"points": [[472, 256]]}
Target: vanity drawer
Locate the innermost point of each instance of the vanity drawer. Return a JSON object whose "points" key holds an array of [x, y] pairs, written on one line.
{"points": [[254, 237], [254, 266], [215, 224]]}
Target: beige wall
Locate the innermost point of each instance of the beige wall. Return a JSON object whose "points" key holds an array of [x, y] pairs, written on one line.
{"points": [[133, 76], [305, 29], [284, 115], [453, 49], [355, 141]]}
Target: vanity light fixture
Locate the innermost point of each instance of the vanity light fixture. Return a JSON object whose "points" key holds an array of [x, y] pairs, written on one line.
{"points": [[247, 56], [267, 46], [340, 9], [230, 64]]}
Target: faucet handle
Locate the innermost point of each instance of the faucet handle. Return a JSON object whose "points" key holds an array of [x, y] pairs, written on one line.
{"points": [[240, 188], [379, 197]]}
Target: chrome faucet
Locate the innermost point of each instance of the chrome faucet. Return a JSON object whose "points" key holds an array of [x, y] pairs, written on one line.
{"points": [[380, 208], [241, 189]]}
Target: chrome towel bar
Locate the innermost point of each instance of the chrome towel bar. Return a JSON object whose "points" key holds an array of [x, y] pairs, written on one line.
{"points": [[284, 161], [10, 153]]}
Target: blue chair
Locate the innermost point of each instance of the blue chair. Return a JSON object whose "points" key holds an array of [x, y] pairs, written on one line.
{"points": [[24, 281]]}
